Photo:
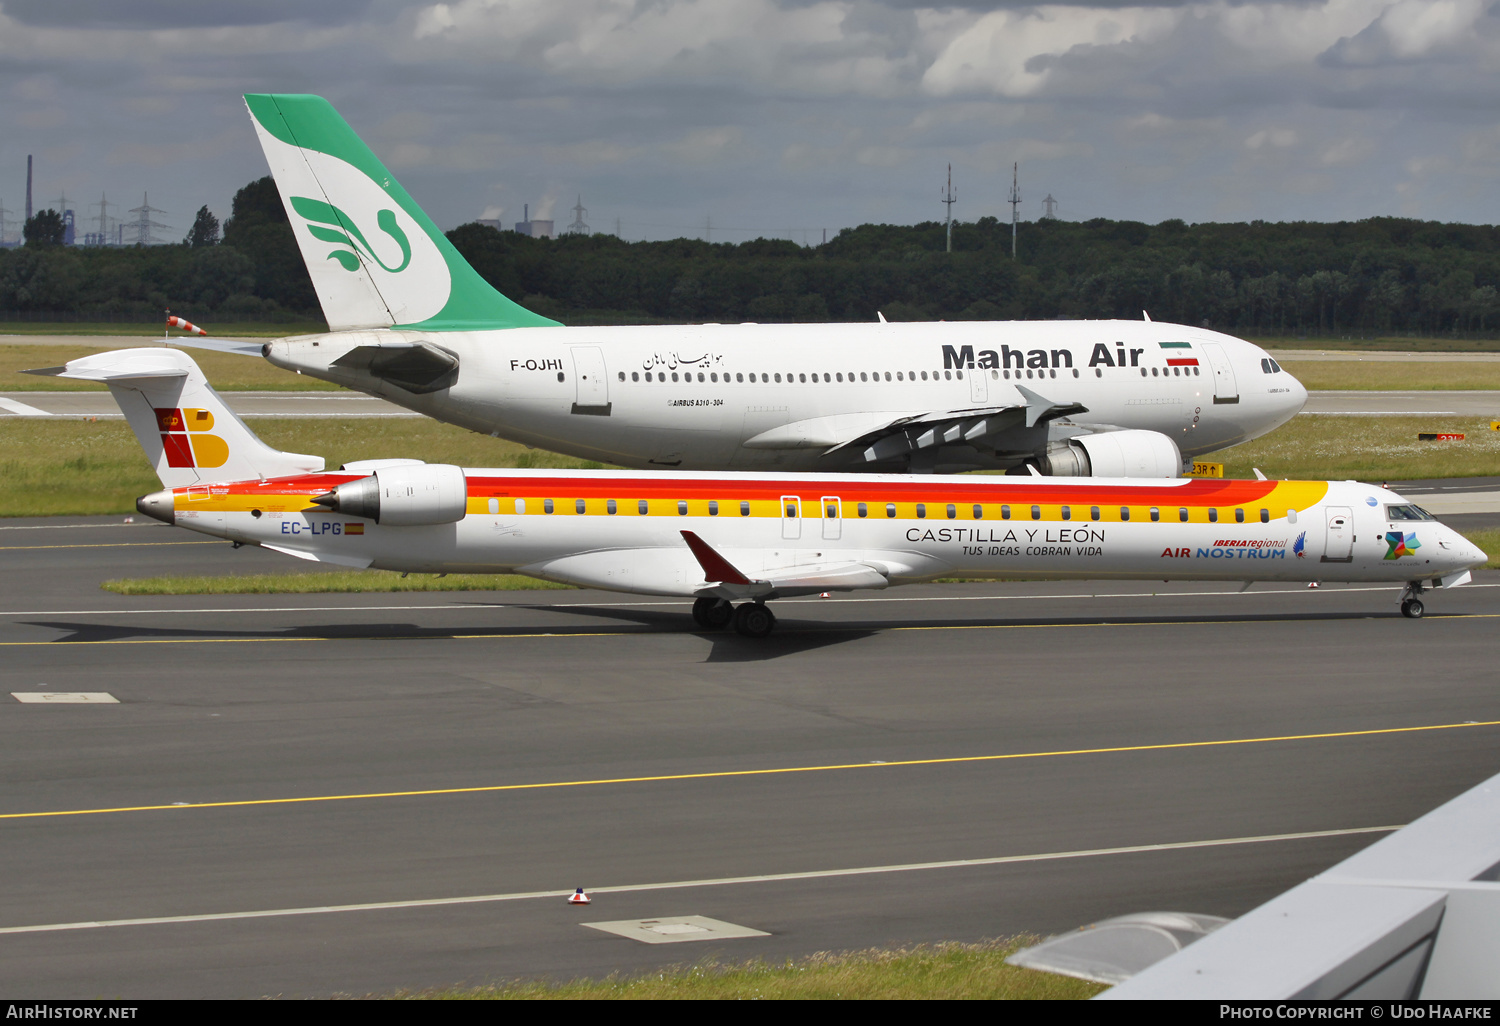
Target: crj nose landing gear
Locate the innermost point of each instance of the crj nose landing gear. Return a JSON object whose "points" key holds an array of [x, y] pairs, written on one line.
{"points": [[1411, 606], [752, 619]]}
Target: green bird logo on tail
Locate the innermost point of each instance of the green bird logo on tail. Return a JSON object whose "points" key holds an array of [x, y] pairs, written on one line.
{"points": [[344, 232]]}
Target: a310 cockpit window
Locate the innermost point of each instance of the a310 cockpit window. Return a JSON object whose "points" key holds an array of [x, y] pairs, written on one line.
{"points": [[1407, 513], [1269, 366]]}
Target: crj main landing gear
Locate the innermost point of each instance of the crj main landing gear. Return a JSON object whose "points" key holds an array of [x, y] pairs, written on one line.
{"points": [[712, 614], [752, 619], [1411, 606]]}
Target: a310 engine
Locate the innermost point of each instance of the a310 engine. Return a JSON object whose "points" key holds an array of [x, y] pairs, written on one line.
{"points": [[1113, 454], [403, 496]]}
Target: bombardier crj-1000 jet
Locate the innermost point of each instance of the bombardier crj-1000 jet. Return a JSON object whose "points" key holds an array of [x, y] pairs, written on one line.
{"points": [[721, 538], [413, 323]]}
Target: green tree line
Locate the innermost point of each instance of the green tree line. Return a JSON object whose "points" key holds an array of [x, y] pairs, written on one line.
{"points": [[1383, 275], [250, 272], [1378, 276]]}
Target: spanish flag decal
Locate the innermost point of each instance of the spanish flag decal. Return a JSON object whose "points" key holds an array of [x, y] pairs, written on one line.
{"points": [[354, 528]]}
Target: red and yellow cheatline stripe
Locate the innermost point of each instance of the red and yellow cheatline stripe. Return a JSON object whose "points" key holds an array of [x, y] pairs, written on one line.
{"points": [[1055, 499]]}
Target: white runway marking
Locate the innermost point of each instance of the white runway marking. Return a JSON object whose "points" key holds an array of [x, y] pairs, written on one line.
{"points": [[1301, 589], [21, 409], [66, 697], [560, 895]]}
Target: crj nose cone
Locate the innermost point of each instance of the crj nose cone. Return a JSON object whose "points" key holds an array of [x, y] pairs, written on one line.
{"points": [[157, 505]]}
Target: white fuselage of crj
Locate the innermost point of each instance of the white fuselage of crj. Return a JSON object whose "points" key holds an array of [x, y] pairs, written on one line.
{"points": [[624, 531]]}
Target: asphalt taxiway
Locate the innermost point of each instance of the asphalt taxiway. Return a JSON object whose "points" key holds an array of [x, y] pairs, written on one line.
{"points": [[308, 795]]}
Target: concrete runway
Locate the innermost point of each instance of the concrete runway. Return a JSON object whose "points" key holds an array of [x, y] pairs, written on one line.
{"points": [[294, 754]]}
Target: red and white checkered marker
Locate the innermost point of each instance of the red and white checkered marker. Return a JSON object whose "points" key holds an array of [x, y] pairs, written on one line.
{"points": [[183, 325], [579, 898]]}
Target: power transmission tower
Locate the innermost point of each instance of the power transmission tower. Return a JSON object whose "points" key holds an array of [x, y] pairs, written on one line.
{"points": [[1050, 206], [708, 228], [949, 198], [578, 227], [143, 225], [1015, 205], [102, 236]]}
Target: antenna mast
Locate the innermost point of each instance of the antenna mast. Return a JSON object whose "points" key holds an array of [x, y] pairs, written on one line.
{"points": [[1015, 205], [949, 198]]}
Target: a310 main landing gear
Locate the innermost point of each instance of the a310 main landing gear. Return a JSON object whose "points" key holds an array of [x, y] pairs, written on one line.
{"points": [[752, 619], [1411, 606]]}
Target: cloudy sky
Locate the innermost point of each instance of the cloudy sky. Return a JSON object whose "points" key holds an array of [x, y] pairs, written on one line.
{"points": [[777, 116]]}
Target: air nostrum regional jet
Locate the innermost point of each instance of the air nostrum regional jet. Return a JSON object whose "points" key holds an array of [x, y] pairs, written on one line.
{"points": [[413, 323], [721, 538]]}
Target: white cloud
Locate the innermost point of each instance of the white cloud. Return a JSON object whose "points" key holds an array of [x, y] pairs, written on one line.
{"points": [[1277, 137], [844, 110], [1001, 52]]}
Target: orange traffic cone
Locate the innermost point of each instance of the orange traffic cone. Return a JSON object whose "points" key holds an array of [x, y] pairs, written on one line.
{"points": [[579, 898]]}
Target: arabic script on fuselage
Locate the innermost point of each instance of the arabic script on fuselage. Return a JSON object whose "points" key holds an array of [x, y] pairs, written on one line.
{"points": [[672, 361]]}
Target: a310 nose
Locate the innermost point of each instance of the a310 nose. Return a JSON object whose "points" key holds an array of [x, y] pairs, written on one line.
{"points": [[1296, 398]]}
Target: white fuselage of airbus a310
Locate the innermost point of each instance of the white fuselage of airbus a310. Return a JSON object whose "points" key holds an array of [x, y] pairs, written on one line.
{"points": [[719, 538], [413, 323], [1073, 398]]}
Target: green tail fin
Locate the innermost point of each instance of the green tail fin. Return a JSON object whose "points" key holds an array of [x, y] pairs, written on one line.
{"points": [[375, 257]]}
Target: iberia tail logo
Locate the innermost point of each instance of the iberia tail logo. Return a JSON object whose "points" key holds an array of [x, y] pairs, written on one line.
{"points": [[185, 439], [1401, 544], [342, 231]]}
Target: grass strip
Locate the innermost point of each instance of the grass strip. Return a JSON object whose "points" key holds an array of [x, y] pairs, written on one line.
{"points": [[1323, 447], [951, 971], [227, 372], [1387, 343], [353, 581], [1345, 375]]}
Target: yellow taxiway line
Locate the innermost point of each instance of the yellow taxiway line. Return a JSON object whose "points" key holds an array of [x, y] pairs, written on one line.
{"points": [[766, 772]]}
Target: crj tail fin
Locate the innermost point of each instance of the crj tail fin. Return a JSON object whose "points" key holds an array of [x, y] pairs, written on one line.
{"points": [[375, 258], [188, 432]]}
